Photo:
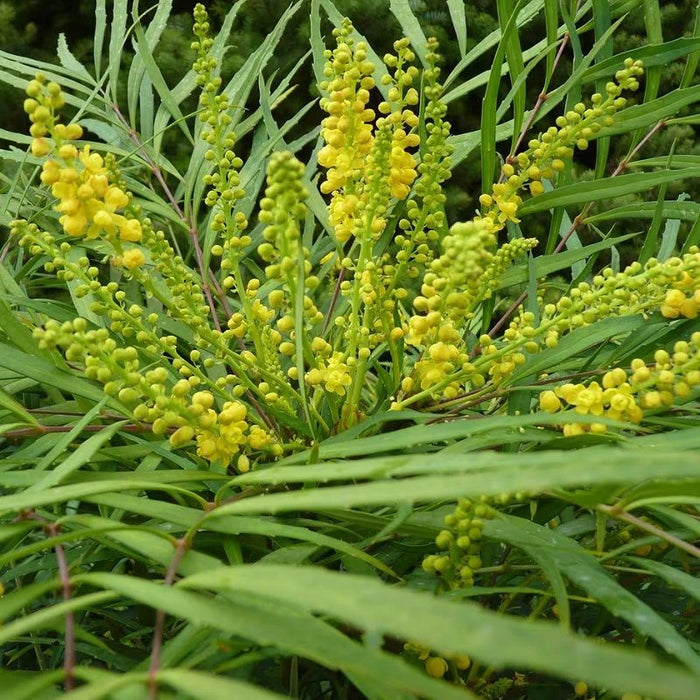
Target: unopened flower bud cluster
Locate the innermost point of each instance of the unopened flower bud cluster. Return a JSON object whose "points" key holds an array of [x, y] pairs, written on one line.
{"points": [[460, 544]]}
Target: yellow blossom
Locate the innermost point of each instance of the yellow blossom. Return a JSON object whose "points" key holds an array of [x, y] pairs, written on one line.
{"points": [[133, 258]]}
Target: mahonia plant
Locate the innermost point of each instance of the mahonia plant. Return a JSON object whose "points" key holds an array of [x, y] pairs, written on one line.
{"points": [[379, 310]]}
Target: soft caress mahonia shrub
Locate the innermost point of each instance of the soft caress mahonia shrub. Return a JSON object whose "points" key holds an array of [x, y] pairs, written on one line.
{"points": [[261, 313], [395, 298]]}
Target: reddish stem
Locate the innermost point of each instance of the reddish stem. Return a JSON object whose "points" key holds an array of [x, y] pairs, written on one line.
{"points": [[45, 429], [191, 228], [52, 530], [181, 547]]}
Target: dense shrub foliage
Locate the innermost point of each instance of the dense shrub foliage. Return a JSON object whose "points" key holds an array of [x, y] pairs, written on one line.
{"points": [[277, 419]]}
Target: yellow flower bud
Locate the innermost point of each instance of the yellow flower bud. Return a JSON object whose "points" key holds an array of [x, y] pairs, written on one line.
{"points": [[549, 402], [436, 666], [133, 258], [182, 435], [40, 147], [243, 464], [74, 131]]}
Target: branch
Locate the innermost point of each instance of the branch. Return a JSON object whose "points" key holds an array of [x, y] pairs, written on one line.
{"points": [[576, 223], [45, 429], [620, 514], [191, 227], [181, 547], [52, 530]]}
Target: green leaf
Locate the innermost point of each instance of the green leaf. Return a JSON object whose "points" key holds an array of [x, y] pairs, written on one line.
{"points": [[674, 577], [483, 474], [69, 61], [81, 456], [644, 115], [691, 65], [581, 568], [161, 87], [577, 341], [205, 686], [42, 371], [655, 38], [16, 332], [516, 65], [52, 614], [117, 38], [401, 9], [137, 77], [100, 26], [651, 55], [13, 406], [459, 22], [58, 494], [441, 625], [607, 188], [267, 622], [684, 211], [30, 685], [530, 11], [546, 264], [490, 101]]}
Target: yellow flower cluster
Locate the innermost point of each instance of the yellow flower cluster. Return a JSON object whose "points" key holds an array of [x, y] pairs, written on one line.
{"points": [[464, 273], [224, 182], [470, 266], [42, 102], [347, 131], [220, 435], [181, 409], [626, 394], [440, 361], [333, 373], [366, 167], [678, 304], [89, 201], [424, 221]]}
